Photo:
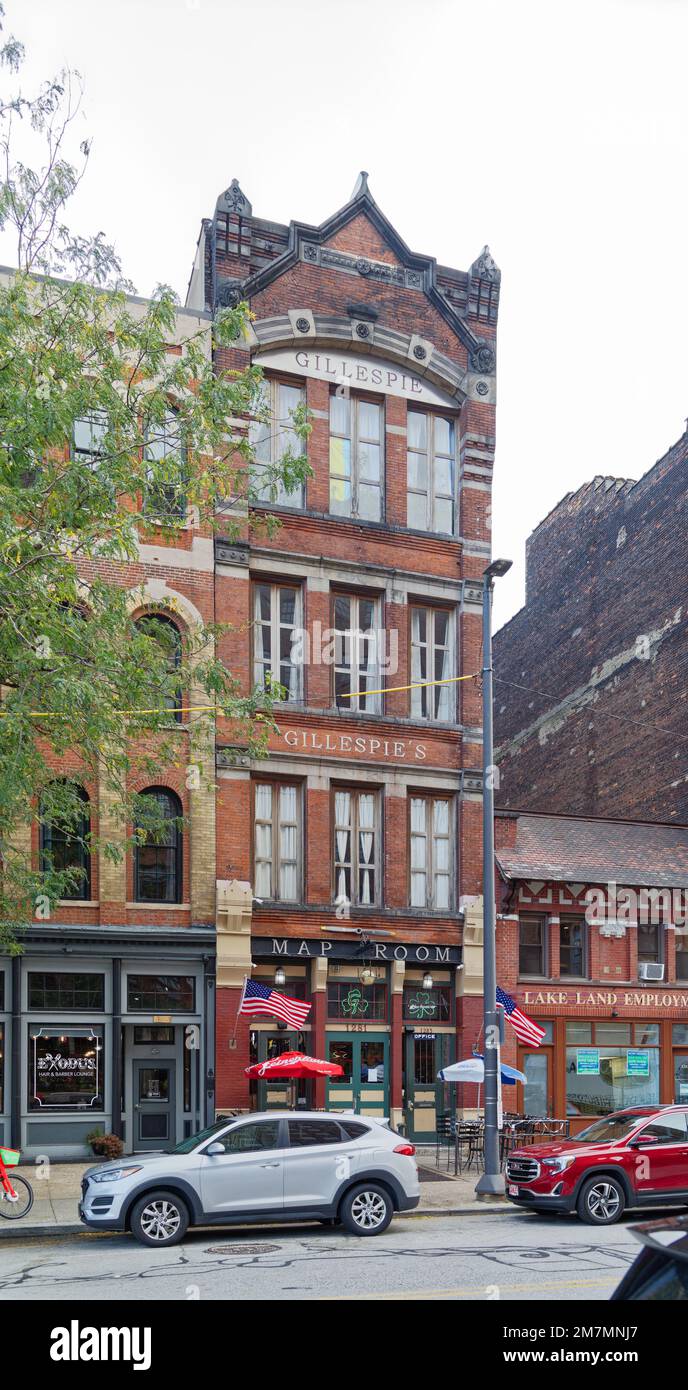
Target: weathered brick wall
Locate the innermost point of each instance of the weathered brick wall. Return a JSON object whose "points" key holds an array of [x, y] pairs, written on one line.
{"points": [[604, 633]]}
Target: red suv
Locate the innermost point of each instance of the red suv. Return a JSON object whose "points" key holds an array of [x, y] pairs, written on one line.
{"points": [[632, 1158]]}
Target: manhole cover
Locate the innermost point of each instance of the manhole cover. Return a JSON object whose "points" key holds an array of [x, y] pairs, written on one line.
{"points": [[242, 1249]]}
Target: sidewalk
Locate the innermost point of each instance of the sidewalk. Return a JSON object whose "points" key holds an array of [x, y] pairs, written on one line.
{"points": [[54, 1210]]}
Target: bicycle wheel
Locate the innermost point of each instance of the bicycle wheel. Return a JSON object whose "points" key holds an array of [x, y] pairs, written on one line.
{"points": [[14, 1207]]}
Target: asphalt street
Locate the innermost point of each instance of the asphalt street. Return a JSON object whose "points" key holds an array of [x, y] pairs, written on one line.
{"points": [[510, 1256]]}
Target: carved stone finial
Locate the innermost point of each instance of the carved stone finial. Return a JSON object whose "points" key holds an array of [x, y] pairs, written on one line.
{"points": [[360, 186], [233, 200], [485, 267]]}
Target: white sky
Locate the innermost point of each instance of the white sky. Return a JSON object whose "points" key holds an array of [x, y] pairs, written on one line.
{"points": [[554, 130]]}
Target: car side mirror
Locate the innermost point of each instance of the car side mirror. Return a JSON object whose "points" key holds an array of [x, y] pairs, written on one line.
{"points": [[214, 1150], [642, 1140]]}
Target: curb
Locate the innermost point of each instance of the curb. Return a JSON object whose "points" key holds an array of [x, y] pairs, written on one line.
{"points": [[65, 1229]]}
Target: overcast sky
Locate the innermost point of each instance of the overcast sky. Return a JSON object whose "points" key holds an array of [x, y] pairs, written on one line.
{"points": [[554, 130]]}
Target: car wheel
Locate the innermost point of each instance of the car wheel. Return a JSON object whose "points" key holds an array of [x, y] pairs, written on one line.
{"points": [[366, 1210], [159, 1218], [601, 1201]]}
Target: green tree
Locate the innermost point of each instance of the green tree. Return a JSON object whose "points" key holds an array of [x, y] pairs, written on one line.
{"points": [[106, 437]]}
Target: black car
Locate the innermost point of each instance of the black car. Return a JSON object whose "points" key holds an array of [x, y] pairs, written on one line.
{"points": [[660, 1271]]}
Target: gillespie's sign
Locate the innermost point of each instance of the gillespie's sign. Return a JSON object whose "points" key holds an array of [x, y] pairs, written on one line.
{"points": [[347, 370], [605, 998], [312, 741]]}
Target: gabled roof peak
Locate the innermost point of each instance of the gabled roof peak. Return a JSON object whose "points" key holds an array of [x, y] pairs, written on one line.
{"points": [[360, 186]]}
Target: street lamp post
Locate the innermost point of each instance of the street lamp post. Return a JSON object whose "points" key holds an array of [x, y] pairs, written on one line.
{"points": [[491, 1182]]}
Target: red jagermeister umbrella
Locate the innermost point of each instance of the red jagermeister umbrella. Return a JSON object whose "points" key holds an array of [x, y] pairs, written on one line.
{"points": [[293, 1066]]}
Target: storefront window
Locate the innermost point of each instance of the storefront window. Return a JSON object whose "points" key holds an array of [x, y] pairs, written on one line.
{"points": [[680, 1034], [65, 1069], [60, 990], [536, 1068], [602, 1076], [579, 1032], [350, 1000], [2, 1067], [160, 994], [427, 1005]]}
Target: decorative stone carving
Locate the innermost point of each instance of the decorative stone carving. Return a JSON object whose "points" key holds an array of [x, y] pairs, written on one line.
{"points": [[232, 756], [483, 358], [485, 267], [310, 252], [363, 330], [229, 293], [235, 201], [303, 325], [226, 554], [471, 781]]}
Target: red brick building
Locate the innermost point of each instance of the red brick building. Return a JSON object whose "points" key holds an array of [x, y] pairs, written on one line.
{"points": [[592, 942], [347, 862], [591, 676]]}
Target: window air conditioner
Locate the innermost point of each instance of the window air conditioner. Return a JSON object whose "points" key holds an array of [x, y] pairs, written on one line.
{"points": [[649, 970]]}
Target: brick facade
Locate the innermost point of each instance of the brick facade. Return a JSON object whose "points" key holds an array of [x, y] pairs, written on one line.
{"points": [[591, 675]]}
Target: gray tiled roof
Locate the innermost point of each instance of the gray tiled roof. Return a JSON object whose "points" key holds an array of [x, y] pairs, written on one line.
{"points": [[597, 851]]}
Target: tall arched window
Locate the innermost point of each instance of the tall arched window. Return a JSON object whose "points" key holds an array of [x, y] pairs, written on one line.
{"points": [[158, 860], [64, 845], [166, 633]]}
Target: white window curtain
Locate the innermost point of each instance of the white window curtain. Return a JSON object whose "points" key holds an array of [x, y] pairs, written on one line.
{"points": [[418, 853], [342, 812], [366, 835], [263, 841], [441, 855], [288, 854]]}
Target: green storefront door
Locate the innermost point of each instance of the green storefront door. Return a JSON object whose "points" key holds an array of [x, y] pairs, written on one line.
{"points": [[425, 1053], [364, 1087]]}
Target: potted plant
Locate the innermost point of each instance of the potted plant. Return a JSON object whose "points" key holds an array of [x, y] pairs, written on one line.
{"points": [[105, 1145]]}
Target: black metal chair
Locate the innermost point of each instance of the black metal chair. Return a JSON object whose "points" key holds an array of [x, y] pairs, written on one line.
{"points": [[445, 1133]]}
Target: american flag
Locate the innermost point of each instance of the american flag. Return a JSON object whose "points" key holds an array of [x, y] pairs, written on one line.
{"points": [[523, 1026], [260, 999]]}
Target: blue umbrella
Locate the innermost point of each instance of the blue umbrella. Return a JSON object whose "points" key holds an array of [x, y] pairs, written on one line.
{"points": [[472, 1073]]}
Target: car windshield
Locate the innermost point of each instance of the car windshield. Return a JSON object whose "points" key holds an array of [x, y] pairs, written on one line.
{"points": [[613, 1128], [188, 1145]]}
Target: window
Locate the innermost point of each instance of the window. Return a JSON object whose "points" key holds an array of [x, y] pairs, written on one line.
{"points": [[650, 942], [431, 853], [355, 847], [165, 452], [430, 472], [273, 439], [64, 848], [532, 954], [356, 457], [432, 659], [605, 1073], [168, 637], [304, 1133], [88, 437], [353, 1130], [352, 1001], [573, 940], [2, 1067], [356, 669], [158, 860], [248, 1139], [277, 651], [423, 1006], [681, 956], [671, 1129], [155, 1033], [160, 994], [60, 990], [277, 842], [65, 1067]]}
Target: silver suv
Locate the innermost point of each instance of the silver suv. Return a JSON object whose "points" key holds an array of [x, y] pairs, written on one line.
{"points": [[274, 1166]]}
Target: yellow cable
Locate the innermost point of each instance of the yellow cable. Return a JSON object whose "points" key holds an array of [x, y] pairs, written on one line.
{"points": [[209, 709]]}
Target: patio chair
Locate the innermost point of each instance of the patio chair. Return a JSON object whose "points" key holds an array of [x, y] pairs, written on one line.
{"points": [[445, 1133]]}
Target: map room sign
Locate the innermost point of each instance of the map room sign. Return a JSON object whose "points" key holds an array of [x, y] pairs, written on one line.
{"points": [[301, 948]]}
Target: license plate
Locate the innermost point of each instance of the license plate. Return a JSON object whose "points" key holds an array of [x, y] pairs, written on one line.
{"points": [[513, 1189]]}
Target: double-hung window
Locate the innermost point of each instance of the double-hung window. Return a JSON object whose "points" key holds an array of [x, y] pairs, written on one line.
{"points": [[573, 963], [431, 852], [356, 457], [277, 841], [532, 946], [273, 438], [356, 847], [431, 472], [89, 436], [166, 469], [277, 638], [432, 659], [357, 665]]}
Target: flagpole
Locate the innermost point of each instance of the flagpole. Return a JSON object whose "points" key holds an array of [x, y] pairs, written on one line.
{"points": [[243, 996]]}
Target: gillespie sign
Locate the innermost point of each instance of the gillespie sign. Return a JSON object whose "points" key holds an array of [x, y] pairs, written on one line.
{"points": [[347, 370], [311, 741]]}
